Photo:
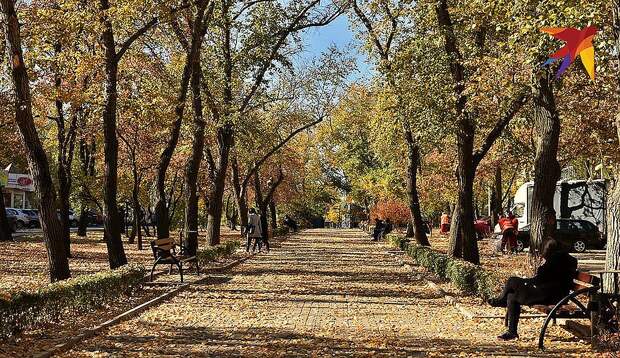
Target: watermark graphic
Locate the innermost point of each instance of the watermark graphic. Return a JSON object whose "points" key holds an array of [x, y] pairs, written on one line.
{"points": [[578, 43]]}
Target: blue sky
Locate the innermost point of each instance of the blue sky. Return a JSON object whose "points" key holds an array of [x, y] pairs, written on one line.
{"points": [[336, 33]]}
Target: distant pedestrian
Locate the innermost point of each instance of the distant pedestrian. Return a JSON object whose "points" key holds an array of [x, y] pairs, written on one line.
{"points": [[378, 229], [509, 225], [444, 226], [254, 230], [292, 224]]}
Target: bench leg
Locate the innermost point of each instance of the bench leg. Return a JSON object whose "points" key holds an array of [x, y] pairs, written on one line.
{"points": [[180, 265], [541, 337], [152, 270]]}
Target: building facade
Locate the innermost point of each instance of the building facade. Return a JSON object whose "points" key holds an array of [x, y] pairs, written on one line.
{"points": [[17, 189]]}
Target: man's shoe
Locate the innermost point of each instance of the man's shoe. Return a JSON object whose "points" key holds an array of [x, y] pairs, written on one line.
{"points": [[508, 336]]}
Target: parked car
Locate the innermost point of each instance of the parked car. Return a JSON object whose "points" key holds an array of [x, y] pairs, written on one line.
{"points": [[73, 221], [21, 219], [12, 218], [578, 235], [33, 215]]}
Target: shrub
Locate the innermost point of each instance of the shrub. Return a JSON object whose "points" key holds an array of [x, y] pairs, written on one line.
{"points": [[212, 253], [22, 310], [467, 277], [280, 231]]}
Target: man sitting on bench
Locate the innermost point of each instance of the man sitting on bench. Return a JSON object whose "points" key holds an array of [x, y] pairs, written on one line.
{"points": [[552, 282]]}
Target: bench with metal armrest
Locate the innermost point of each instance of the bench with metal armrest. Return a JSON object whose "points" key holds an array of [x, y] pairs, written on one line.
{"points": [[580, 303], [164, 253]]}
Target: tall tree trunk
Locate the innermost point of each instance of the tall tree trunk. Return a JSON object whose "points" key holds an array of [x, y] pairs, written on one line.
{"points": [[111, 221], [272, 215], [546, 167], [161, 207], [5, 227], [193, 164], [225, 135], [136, 230], [413, 162], [463, 227], [612, 256], [64, 159], [496, 195], [87, 164], [262, 202], [37, 160], [135, 203], [64, 189], [455, 243], [240, 194]]}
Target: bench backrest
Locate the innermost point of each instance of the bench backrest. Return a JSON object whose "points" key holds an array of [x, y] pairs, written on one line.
{"points": [[584, 280], [162, 247]]}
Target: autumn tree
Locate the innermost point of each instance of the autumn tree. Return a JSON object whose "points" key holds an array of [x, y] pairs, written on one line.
{"points": [[612, 257], [382, 36], [37, 159], [255, 56]]}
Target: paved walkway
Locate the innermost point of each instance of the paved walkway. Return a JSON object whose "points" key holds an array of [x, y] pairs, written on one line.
{"points": [[321, 293]]}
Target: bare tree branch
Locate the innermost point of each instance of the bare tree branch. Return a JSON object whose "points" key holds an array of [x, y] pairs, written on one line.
{"points": [[275, 149]]}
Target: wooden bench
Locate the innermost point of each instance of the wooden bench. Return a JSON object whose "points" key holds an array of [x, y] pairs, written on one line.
{"points": [[578, 304], [164, 253]]}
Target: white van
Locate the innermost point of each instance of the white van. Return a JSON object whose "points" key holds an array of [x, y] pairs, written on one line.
{"points": [[573, 199]]}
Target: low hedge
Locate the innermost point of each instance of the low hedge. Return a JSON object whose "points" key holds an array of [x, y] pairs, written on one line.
{"points": [[467, 277], [280, 231], [212, 253], [22, 310]]}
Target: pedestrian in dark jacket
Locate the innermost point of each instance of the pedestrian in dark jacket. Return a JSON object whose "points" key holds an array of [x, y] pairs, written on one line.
{"points": [[378, 229], [552, 282]]}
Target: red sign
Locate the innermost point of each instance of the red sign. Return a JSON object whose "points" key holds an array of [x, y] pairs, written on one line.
{"points": [[24, 181]]}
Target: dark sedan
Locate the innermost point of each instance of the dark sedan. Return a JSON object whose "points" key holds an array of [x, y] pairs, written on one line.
{"points": [[578, 235]]}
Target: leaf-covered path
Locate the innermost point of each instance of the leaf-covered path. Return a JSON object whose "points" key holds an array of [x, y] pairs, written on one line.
{"points": [[320, 293]]}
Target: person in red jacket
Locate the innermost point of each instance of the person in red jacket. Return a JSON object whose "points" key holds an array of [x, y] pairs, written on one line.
{"points": [[509, 225]]}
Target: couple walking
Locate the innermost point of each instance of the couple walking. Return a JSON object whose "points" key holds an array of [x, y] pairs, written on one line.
{"points": [[254, 232]]}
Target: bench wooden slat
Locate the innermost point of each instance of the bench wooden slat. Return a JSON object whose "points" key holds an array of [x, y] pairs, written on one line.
{"points": [[164, 241]]}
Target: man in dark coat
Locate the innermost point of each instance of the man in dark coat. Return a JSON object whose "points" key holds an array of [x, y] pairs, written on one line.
{"points": [[552, 282], [387, 228], [378, 229]]}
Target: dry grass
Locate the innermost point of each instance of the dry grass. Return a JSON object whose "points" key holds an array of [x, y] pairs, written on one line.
{"points": [[24, 262]]}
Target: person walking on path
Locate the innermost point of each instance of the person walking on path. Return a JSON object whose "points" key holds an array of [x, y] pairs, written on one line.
{"points": [[254, 230]]}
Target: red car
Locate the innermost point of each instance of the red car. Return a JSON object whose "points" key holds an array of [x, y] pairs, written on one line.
{"points": [[483, 228]]}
